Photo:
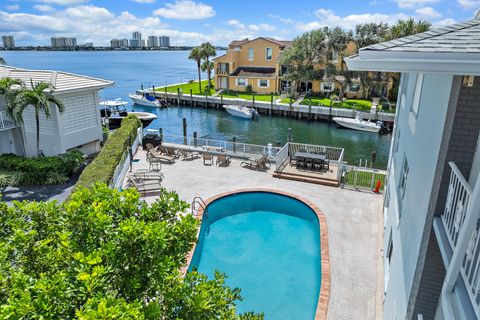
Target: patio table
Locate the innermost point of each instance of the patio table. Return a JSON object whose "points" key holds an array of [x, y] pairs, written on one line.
{"points": [[310, 156]]}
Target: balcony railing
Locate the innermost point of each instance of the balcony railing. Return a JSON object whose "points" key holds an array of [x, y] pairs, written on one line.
{"points": [[453, 219], [6, 122], [221, 71]]}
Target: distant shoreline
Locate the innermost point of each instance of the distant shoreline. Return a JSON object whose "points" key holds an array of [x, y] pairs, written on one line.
{"points": [[78, 48]]}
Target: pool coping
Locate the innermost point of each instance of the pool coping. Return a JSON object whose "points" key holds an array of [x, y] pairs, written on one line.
{"points": [[322, 305]]}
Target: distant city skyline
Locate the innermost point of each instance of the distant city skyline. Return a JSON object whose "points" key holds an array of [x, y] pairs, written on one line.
{"points": [[190, 23]]}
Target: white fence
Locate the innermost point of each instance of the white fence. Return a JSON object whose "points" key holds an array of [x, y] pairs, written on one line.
{"points": [[5, 121], [235, 149], [122, 167], [364, 177]]}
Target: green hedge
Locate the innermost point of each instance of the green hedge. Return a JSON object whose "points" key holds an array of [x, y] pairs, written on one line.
{"points": [[102, 168], [21, 171]]}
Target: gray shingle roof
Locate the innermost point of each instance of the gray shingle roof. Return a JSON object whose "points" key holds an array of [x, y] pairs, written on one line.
{"points": [[61, 81], [458, 38]]}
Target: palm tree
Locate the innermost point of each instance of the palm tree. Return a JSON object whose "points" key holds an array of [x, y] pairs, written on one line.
{"points": [[208, 50], [38, 98], [2, 61], [7, 85], [407, 27], [196, 54]]}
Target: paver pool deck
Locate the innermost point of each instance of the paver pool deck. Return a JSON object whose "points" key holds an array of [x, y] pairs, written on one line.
{"points": [[354, 221]]}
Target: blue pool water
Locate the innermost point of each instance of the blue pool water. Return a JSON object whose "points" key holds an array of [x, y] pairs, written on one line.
{"points": [[269, 247]]}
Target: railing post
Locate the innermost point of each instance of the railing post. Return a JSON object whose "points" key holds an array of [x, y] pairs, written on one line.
{"points": [[184, 130], [234, 146], [195, 139]]}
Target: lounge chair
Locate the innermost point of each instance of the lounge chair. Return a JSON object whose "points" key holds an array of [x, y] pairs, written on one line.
{"points": [[207, 157], [256, 163], [172, 152], [145, 187], [189, 154], [160, 157], [145, 175], [223, 160]]}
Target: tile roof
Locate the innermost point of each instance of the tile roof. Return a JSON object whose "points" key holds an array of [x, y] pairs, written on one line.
{"points": [[281, 43], [61, 81], [254, 72], [458, 38]]}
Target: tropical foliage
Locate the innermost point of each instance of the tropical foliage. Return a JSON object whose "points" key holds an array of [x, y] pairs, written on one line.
{"points": [[36, 97], [105, 254], [20, 171], [102, 168], [319, 54], [208, 51], [196, 55]]}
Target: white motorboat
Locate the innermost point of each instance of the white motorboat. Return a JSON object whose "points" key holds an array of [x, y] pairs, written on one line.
{"points": [[358, 124], [113, 112], [241, 111], [146, 100]]}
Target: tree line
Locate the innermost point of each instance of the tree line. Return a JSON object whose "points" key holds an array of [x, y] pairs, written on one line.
{"points": [[320, 47]]}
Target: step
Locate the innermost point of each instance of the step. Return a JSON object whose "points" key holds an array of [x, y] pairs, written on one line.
{"points": [[319, 181], [307, 176]]}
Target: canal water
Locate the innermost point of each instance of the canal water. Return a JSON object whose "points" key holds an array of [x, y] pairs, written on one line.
{"points": [[130, 69]]}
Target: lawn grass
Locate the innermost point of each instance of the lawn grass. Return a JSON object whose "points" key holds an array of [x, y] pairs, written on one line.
{"points": [[247, 96], [185, 87], [364, 179]]}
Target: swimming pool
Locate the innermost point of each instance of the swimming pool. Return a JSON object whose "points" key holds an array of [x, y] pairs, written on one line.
{"points": [[269, 246]]}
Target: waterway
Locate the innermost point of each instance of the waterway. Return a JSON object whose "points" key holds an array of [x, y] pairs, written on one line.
{"points": [[130, 69]]}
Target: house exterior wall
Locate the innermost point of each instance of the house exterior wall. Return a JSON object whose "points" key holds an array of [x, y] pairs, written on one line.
{"points": [[417, 139], [254, 82]]}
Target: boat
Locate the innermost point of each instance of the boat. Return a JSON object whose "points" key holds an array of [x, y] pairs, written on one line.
{"points": [[145, 100], [241, 111], [113, 112], [358, 123]]}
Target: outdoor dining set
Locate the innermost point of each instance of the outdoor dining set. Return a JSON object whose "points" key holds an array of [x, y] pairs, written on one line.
{"points": [[309, 160]]}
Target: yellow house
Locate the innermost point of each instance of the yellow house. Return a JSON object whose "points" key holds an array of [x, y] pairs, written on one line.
{"points": [[257, 63]]}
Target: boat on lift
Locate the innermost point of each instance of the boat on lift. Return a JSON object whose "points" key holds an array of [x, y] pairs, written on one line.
{"points": [[241, 111], [146, 100], [358, 123], [113, 112]]}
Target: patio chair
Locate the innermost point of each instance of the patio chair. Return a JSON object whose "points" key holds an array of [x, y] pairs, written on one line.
{"points": [[186, 154], [256, 163], [144, 187], [146, 175], [207, 157], [172, 152], [223, 160], [159, 157]]}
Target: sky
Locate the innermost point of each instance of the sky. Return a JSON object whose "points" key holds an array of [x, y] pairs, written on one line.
{"points": [[190, 22]]}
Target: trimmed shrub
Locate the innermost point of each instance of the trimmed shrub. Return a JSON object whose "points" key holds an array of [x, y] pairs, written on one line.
{"points": [[102, 168], [21, 171]]}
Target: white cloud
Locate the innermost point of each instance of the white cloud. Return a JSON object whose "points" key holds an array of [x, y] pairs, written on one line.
{"points": [[185, 10], [284, 20], [12, 7], [235, 23], [43, 7], [469, 4], [144, 1], [65, 2], [330, 19], [444, 22], [414, 3], [428, 12]]}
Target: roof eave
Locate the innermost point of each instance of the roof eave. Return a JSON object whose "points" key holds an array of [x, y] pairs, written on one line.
{"points": [[88, 88], [384, 63]]}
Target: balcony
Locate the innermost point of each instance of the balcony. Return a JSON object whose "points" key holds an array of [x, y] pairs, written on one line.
{"points": [[449, 228], [6, 122], [221, 72]]}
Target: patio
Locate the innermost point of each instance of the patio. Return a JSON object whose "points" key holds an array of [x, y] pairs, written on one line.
{"points": [[354, 221]]}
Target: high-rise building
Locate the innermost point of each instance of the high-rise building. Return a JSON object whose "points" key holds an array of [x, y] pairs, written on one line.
{"points": [[8, 42], [164, 41], [119, 43], [136, 41], [152, 41], [63, 42]]}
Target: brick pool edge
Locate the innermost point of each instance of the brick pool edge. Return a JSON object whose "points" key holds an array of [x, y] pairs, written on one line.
{"points": [[322, 306]]}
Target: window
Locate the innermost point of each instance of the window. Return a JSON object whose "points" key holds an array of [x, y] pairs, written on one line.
{"points": [[242, 82], [250, 54], [403, 178], [334, 56], [236, 49], [397, 140], [418, 93], [403, 93], [390, 249], [354, 87], [268, 54], [327, 86], [263, 83]]}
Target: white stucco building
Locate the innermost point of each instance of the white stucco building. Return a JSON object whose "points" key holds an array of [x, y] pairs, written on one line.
{"points": [[78, 127], [432, 199]]}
